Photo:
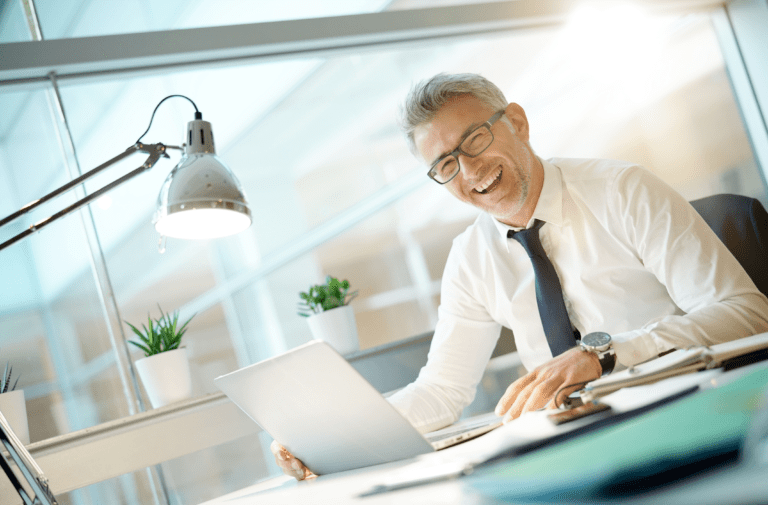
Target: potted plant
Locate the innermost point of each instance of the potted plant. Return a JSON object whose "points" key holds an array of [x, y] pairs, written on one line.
{"points": [[13, 405], [330, 317], [164, 369]]}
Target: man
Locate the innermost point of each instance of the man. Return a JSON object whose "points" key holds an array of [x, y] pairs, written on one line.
{"points": [[594, 245]]}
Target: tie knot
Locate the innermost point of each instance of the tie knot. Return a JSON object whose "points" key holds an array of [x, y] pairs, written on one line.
{"points": [[529, 239], [537, 224]]}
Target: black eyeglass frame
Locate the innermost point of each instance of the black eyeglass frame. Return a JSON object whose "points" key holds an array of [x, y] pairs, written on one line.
{"points": [[488, 124]]}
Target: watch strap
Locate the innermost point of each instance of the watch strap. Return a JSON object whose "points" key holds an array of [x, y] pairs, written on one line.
{"points": [[607, 361]]}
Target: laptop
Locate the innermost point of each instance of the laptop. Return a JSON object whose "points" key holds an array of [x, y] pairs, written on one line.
{"points": [[311, 400]]}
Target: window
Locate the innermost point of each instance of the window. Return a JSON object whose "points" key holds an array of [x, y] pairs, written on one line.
{"points": [[332, 186]]}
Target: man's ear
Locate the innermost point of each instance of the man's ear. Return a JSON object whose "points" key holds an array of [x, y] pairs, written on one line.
{"points": [[516, 115]]}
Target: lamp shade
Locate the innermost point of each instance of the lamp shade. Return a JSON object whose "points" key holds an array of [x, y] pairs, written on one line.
{"points": [[201, 198]]}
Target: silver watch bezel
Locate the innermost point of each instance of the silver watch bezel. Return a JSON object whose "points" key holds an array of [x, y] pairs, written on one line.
{"points": [[597, 349]]}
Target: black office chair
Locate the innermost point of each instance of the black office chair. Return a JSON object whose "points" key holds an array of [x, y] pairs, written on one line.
{"points": [[742, 224]]}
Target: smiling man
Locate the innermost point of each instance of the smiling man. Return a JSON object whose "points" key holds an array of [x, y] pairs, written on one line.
{"points": [[589, 262]]}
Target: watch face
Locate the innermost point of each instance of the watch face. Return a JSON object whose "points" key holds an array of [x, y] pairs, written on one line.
{"points": [[596, 339]]}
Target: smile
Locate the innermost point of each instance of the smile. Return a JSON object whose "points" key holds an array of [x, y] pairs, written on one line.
{"points": [[489, 184]]}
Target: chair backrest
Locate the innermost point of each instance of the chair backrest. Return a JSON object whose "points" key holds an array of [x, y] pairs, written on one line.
{"points": [[741, 223]]}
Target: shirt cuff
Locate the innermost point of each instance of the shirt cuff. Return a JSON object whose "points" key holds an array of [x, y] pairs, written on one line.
{"points": [[635, 347]]}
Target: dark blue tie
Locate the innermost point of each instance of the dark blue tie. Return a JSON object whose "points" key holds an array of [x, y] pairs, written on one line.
{"points": [[549, 294]]}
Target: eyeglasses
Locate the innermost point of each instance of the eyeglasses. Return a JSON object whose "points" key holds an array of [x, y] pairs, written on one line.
{"points": [[474, 144]]}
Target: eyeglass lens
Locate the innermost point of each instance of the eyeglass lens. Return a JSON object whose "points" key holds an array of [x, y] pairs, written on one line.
{"points": [[477, 142]]}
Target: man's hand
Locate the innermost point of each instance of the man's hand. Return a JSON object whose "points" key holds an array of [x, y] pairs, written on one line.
{"points": [[290, 465], [534, 390]]}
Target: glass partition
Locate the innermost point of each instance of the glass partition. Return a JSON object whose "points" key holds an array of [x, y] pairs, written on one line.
{"points": [[313, 141], [13, 27], [52, 328], [332, 187]]}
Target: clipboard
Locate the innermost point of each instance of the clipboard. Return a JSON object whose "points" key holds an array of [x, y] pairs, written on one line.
{"points": [[682, 361]]}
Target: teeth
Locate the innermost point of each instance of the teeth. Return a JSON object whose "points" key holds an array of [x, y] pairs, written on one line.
{"points": [[487, 182]]}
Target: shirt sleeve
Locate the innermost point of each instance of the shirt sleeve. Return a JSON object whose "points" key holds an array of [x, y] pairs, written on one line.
{"points": [[718, 301], [463, 342]]}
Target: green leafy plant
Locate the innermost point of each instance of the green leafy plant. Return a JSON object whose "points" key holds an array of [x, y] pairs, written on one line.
{"points": [[320, 297], [5, 380], [160, 335]]}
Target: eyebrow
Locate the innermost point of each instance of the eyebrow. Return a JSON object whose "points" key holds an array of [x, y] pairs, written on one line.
{"points": [[469, 129]]}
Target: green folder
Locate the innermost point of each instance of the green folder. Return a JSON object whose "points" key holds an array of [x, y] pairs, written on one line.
{"points": [[645, 452]]}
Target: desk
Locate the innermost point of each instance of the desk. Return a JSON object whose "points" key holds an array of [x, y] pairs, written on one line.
{"points": [[716, 480], [130, 444]]}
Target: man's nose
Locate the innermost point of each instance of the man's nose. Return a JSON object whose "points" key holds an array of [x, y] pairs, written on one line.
{"points": [[470, 165]]}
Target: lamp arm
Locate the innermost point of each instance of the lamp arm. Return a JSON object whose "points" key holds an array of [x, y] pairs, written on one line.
{"points": [[66, 187], [155, 151]]}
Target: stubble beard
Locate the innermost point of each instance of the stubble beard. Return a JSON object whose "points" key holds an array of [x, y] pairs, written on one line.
{"points": [[523, 183]]}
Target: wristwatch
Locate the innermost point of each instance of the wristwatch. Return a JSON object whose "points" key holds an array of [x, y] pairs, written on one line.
{"points": [[601, 344]]}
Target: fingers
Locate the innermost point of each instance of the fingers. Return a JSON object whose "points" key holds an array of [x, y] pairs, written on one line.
{"points": [[533, 397], [541, 395], [536, 389], [518, 402], [512, 393], [288, 464]]}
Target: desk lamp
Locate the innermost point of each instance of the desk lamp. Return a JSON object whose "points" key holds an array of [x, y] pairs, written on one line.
{"points": [[200, 199]]}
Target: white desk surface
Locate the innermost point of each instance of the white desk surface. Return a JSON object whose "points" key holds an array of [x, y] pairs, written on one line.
{"points": [[346, 487]]}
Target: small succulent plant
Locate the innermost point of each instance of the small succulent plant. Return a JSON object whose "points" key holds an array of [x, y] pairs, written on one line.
{"points": [[161, 334], [5, 380], [334, 293]]}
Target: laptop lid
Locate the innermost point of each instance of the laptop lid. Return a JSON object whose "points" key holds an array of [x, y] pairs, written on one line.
{"points": [[311, 400]]}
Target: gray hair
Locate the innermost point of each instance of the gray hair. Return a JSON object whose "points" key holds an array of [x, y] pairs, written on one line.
{"points": [[428, 97]]}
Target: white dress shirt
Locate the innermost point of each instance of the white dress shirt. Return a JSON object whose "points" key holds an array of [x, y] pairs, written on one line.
{"points": [[634, 259]]}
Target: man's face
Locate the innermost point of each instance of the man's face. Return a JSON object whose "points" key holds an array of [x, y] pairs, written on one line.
{"points": [[498, 180]]}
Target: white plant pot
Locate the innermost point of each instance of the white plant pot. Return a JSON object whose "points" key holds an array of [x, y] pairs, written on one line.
{"points": [[14, 408], [337, 327], [166, 377]]}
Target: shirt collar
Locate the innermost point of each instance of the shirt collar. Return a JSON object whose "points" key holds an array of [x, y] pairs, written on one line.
{"points": [[549, 208]]}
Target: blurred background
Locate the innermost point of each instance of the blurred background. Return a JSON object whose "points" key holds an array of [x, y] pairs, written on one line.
{"points": [[332, 186]]}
